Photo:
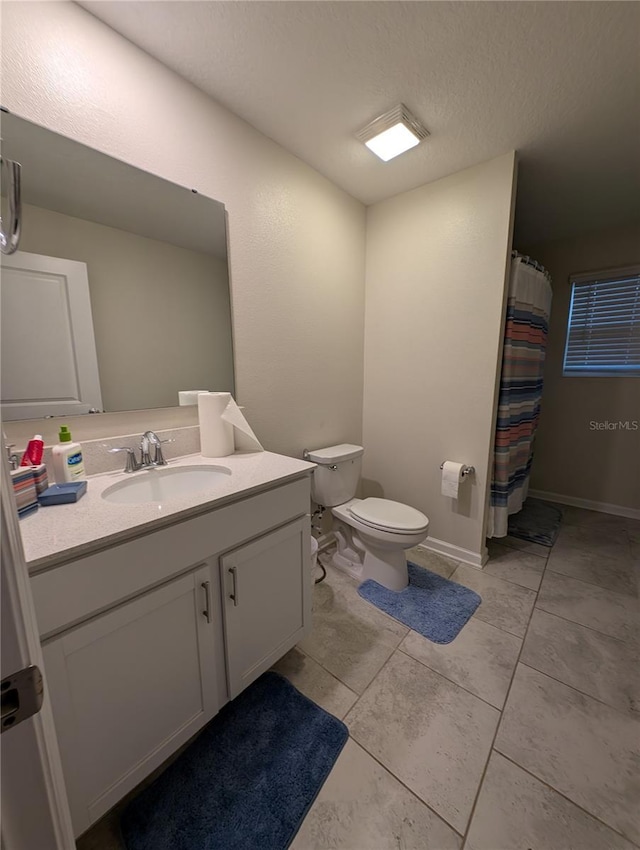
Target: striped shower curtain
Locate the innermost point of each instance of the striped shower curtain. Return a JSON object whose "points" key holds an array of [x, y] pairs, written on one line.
{"points": [[525, 342]]}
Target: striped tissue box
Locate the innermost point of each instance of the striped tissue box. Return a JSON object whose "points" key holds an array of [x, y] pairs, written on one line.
{"points": [[24, 486], [41, 478]]}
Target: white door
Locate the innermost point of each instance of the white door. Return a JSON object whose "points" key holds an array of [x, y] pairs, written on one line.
{"points": [[129, 687], [48, 349], [35, 813], [267, 601]]}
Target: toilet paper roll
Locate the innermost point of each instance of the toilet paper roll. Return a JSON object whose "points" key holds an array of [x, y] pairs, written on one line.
{"points": [[451, 478], [187, 397], [216, 435]]}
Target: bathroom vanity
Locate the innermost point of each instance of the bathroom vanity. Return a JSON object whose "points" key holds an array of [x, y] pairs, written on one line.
{"points": [[153, 615]]}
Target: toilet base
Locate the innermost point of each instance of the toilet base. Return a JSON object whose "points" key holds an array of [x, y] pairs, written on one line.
{"points": [[362, 560], [388, 568], [352, 568], [350, 553]]}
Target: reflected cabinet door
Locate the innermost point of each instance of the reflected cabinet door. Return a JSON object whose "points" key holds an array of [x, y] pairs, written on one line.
{"points": [[129, 687], [267, 601], [49, 362]]}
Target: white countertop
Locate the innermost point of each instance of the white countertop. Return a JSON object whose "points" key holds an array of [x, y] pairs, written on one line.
{"points": [[62, 532]]}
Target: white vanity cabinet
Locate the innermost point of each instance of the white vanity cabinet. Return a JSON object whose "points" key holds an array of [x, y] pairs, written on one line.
{"points": [[143, 642]]}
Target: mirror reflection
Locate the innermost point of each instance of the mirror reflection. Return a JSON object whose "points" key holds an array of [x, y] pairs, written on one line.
{"points": [[118, 298]]}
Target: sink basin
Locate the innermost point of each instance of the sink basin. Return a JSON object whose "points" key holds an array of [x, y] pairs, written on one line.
{"points": [[166, 483]]}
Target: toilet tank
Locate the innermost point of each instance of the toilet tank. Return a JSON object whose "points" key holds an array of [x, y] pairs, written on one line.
{"points": [[335, 479]]}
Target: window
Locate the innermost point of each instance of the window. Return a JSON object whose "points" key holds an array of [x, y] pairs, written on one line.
{"points": [[603, 337]]}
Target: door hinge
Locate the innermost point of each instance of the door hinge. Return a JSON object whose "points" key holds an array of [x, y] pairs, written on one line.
{"points": [[21, 696]]}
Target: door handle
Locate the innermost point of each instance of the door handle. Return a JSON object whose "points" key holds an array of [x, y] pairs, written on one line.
{"points": [[207, 600], [21, 696], [234, 572]]}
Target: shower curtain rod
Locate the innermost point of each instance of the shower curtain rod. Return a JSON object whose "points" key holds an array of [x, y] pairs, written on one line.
{"points": [[529, 261]]}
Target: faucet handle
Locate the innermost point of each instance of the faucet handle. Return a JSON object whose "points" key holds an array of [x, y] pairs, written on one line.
{"points": [[12, 458], [132, 464], [159, 459]]}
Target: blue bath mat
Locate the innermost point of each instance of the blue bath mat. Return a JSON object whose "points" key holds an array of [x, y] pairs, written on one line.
{"points": [[537, 521], [431, 605], [246, 782]]}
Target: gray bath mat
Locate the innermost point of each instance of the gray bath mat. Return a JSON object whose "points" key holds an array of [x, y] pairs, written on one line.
{"points": [[538, 522]]}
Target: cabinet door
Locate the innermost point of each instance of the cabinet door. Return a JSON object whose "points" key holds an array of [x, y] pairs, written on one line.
{"points": [[129, 687], [60, 376], [267, 601]]}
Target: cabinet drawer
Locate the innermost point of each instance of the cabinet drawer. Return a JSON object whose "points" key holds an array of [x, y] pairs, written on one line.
{"points": [[77, 590]]}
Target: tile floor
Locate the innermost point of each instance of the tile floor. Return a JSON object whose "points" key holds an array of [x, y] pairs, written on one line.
{"points": [[522, 734]]}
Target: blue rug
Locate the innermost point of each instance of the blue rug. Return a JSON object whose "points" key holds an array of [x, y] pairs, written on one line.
{"points": [[247, 781], [431, 605], [537, 521]]}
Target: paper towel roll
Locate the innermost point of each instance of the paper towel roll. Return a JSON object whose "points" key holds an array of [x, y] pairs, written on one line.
{"points": [[187, 397], [216, 435], [451, 478], [244, 439]]}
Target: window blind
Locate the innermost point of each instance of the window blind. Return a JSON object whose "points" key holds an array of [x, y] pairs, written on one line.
{"points": [[603, 336]]}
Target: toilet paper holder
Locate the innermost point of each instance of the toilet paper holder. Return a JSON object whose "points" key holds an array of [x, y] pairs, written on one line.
{"points": [[466, 470]]}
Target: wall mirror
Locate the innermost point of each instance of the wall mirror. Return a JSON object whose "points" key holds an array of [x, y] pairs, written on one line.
{"points": [[118, 297]]}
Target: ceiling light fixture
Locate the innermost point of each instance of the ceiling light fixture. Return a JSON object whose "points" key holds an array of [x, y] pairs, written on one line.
{"points": [[393, 133]]}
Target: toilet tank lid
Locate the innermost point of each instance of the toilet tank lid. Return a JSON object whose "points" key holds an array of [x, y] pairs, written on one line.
{"points": [[335, 454]]}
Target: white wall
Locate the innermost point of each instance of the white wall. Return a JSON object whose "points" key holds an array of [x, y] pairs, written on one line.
{"points": [[571, 459], [436, 274], [161, 313], [296, 241]]}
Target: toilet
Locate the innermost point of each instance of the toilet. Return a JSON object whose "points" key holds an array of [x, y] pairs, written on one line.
{"points": [[372, 534]]}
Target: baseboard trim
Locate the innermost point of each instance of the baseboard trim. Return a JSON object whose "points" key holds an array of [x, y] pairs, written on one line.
{"points": [[587, 504], [457, 553]]}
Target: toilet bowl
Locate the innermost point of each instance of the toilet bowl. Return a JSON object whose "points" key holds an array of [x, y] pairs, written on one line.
{"points": [[372, 534]]}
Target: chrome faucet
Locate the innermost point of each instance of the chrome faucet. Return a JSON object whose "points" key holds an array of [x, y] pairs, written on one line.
{"points": [[148, 439]]}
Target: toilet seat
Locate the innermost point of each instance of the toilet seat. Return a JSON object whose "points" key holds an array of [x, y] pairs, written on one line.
{"points": [[386, 515]]}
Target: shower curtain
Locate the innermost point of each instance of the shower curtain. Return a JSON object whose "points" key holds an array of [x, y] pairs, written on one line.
{"points": [[520, 394]]}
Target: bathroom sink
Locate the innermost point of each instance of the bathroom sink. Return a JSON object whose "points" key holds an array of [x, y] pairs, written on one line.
{"points": [[164, 484]]}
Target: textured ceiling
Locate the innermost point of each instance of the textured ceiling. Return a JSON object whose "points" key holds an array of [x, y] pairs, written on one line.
{"points": [[558, 81]]}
